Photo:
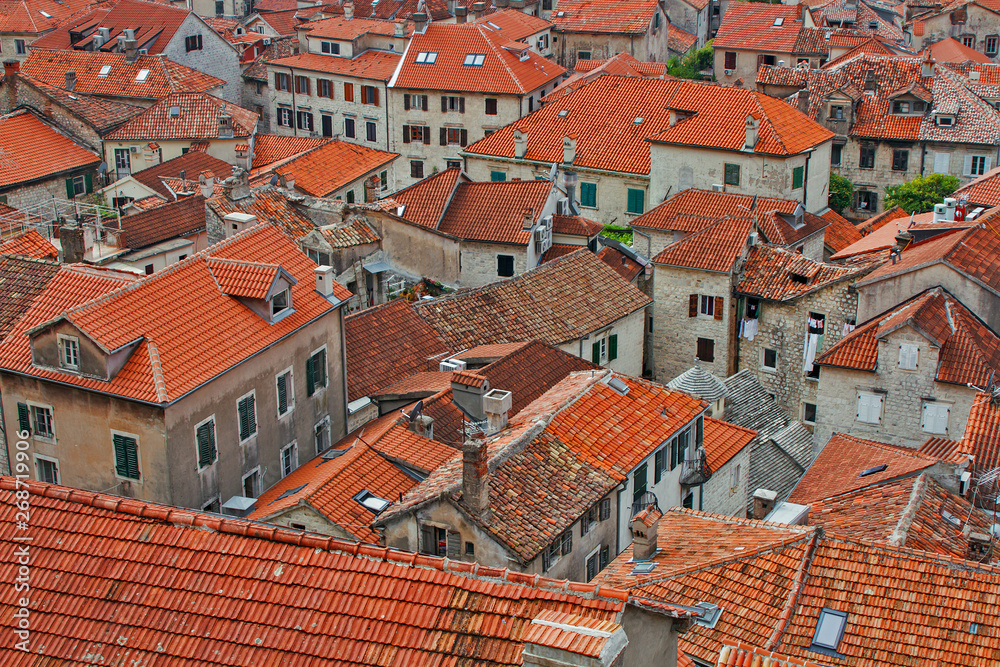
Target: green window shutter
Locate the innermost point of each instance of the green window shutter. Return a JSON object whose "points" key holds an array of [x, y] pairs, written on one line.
{"points": [[69, 188], [282, 395], [636, 200], [23, 418], [251, 414], [310, 377], [126, 456], [588, 194], [732, 174], [797, 174], [206, 444], [596, 353], [320, 368], [244, 409], [89, 179], [612, 347], [498, 176], [657, 466]]}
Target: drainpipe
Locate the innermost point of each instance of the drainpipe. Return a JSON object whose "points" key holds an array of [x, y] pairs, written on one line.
{"points": [[805, 180], [343, 365], [618, 523]]}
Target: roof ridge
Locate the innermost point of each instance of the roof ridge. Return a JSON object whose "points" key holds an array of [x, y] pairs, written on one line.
{"points": [[943, 560], [900, 533], [500, 57], [159, 381], [233, 526], [774, 641]]}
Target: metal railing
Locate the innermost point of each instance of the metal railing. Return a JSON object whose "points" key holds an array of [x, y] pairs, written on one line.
{"points": [[695, 472], [646, 499]]}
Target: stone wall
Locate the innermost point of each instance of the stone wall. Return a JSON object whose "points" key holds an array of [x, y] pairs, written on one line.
{"points": [[216, 56], [653, 46], [721, 496], [16, 93], [479, 262], [36, 193], [964, 20]]}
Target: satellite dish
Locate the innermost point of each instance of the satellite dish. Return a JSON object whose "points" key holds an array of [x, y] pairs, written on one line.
{"points": [[102, 168], [417, 409], [552, 171], [274, 179]]}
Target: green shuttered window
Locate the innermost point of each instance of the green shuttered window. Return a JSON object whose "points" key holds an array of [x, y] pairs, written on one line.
{"points": [[126, 456]]}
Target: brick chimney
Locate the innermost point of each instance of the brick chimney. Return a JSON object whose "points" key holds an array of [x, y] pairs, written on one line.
{"points": [[645, 525], [11, 67], [70, 80], [371, 189], [763, 502], [527, 218], [476, 476]]}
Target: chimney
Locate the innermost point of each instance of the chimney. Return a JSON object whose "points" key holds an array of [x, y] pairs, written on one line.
{"points": [[324, 280], [70, 80], [423, 425], [96, 42], [399, 29], [237, 222], [979, 546], [763, 502], [672, 115], [73, 247], [476, 476], [940, 213], [751, 133], [478, 10], [527, 218], [206, 183], [871, 83], [419, 22], [804, 100], [927, 66], [131, 48], [569, 185], [500, 4], [371, 189], [569, 148], [950, 204], [520, 143], [496, 406], [645, 525], [287, 181], [585, 645], [451, 6], [348, 11], [225, 126], [467, 391], [11, 67], [461, 14]]}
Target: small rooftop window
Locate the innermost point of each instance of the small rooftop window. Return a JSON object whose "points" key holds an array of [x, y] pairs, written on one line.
{"points": [[142, 75], [618, 385], [829, 629], [104, 70], [494, 25], [474, 59], [175, 112], [710, 614], [290, 492], [778, 22], [45, 14], [873, 470], [563, 113], [643, 568], [951, 518], [279, 302], [638, 120], [427, 57], [371, 501]]}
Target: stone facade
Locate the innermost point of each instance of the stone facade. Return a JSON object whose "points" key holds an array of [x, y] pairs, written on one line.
{"points": [[143, 156], [21, 196], [726, 491], [689, 17], [16, 93], [965, 22], [216, 56], [903, 394], [652, 46]]}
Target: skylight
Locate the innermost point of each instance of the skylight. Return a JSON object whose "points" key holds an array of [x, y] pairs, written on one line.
{"points": [[873, 470], [142, 75], [618, 386], [778, 22], [290, 492], [427, 57], [493, 24], [710, 614], [474, 59], [175, 112], [104, 70], [563, 113], [643, 568], [829, 629], [371, 501], [45, 14]]}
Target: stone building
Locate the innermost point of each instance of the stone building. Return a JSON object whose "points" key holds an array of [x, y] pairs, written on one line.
{"points": [[754, 35], [908, 374], [974, 24], [599, 30]]}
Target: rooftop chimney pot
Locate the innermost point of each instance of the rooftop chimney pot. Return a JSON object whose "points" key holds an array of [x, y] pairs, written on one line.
{"points": [[763, 502], [476, 477], [645, 526]]}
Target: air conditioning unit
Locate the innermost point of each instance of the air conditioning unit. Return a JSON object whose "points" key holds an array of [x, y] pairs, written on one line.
{"points": [[452, 365], [143, 52], [717, 187], [133, 149], [543, 239], [728, 72], [963, 483], [267, 41]]}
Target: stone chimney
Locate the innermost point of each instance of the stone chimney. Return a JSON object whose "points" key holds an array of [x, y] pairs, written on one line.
{"points": [[645, 525], [371, 189], [131, 49], [476, 476], [520, 143], [763, 502], [752, 130], [70, 80], [467, 391], [461, 14], [423, 425], [979, 545], [478, 10], [419, 22], [927, 66], [527, 219], [804, 100], [11, 68], [287, 181], [500, 4], [496, 406], [206, 183], [871, 83], [569, 148], [236, 222], [324, 280], [348, 11], [569, 185], [399, 29], [73, 245]]}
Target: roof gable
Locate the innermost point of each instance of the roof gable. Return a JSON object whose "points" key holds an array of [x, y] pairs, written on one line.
{"points": [[33, 150], [495, 212]]}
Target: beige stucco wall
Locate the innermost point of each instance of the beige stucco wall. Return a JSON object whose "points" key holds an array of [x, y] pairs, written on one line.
{"points": [[979, 22], [315, 522], [652, 46], [652, 639], [223, 149], [416, 251]]}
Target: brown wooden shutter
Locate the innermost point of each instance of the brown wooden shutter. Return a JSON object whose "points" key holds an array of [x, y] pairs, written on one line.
{"points": [[454, 545], [693, 305], [423, 102], [718, 307], [760, 61], [349, 92], [461, 105], [406, 102], [444, 103], [427, 136], [375, 90], [406, 134], [444, 136], [465, 137]]}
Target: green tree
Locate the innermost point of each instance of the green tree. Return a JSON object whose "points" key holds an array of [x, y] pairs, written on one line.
{"points": [[692, 64], [841, 191], [921, 193]]}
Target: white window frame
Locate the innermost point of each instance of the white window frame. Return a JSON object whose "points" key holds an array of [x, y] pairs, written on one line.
{"points": [[325, 421], [326, 370], [215, 428], [243, 482], [937, 405], [288, 304], [763, 360], [709, 310], [906, 351], [866, 418], [252, 392], [64, 340], [289, 392], [138, 455], [293, 446], [216, 499], [34, 430], [48, 459], [602, 340]]}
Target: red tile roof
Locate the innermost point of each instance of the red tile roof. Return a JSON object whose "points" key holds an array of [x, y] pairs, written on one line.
{"points": [[374, 65], [271, 204], [714, 248], [22, 278], [983, 191], [180, 347], [33, 150], [969, 351], [603, 16], [502, 72], [26, 16], [323, 170], [950, 50], [338, 27], [491, 353], [192, 162], [269, 148], [723, 441], [680, 40], [752, 26], [880, 220], [417, 609], [837, 468], [982, 432], [840, 233], [622, 64], [164, 76], [102, 115], [198, 119], [386, 344], [494, 211], [426, 200], [154, 23], [575, 225], [172, 220], [514, 24], [29, 244], [244, 278], [555, 303], [874, 241], [420, 384], [625, 266], [557, 250], [781, 275]]}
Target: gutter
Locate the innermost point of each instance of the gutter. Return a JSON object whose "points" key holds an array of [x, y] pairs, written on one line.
{"points": [[548, 165]]}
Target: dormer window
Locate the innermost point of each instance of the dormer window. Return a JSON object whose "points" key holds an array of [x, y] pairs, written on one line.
{"points": [[331, 48], [836, 112], [945, 121], [69, 352], [427, 57], [901, 107], [474, 59], [279, 302]]}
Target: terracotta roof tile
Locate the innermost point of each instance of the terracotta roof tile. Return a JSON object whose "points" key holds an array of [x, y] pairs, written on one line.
{"points": [[781, 275], [386, 344], [723, 441], [753, 26], [982, 432], [340, 28], [679, 39], [586, 70], [875, 242], [197, 118], [243, 278], [192, 162], [374, 65], [840, 233], [489, 353], [575, 225], [193, 345], [559, 301], [418, 385], [426, 200], [154, 23], [983, 191], [280, 47], [180, 218], [514, 24], [26, 17], [502, 70], [33, 150], [29, 244], [625, 266], [714, 248], [557, 250], [323, 170], [603, 16], [950, 50], [494, 211], [269, 148], [880, 220], [164, 76], [22, 278], [267, 203], [103, 115], [429, 610]]}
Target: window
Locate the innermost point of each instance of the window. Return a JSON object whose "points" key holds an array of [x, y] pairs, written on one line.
{"points": [[836, 152], [730, 60], [148, 269], [707, 305], [636, 201], [192, 43], [829, 629], [934, 417], [588, 520], [583, 55], [247, 414], [416, 169], [870, 407], [286, 392], [452, 103], [945, 121], [19, 47], [321, 434], [304, 120], [836, 112], [411, 101], [220, 7], [279, 302], [977, 165], [865, 200], [418, 134], [324, 88], [251, 483], [900, 107], [204, 438], [41, 418], [371, 132], [75, 186], [809, 413], [455, 136], [706, 350], [284, 117], [909, 355], [369, 95], [426, 57], [593, 564], [900, 160], [474, 59], [498, 176], [349, 128], [798, 174], [815, 329], [766, 60], [991, 45], [332, 48], [383, 180], [289, 458], [69, 352], [126, 455], [770, 360], [213, 506], [319, 257], [316, 371], [350, 196], [605, 349], [505, 266], [866, 160], [605, 511], [46, 469], [732, 174], [969, 41], [470, 549], [588, 195], [491, 106], [562, 546], [453, 164], [282, 82]]}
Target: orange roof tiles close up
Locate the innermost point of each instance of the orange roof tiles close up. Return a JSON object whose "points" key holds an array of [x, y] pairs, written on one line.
{"points": [[29, 244], [494, 211], [714, 248], [781, 275], [270, 148], [192, 162], [324, 170], [760, 27], [983, 191], [426, 201], [22, 278], [603, 16], [154, 25], [840, 233], [514, 24], [32, 150], [180, 218], [193, 116], [374, 65], [723, 441]]}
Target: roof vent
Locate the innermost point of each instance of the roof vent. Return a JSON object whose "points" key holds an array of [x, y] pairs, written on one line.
{"points": [[239, 506], [331, 454], [643, 568], [563, 113], [710, 614], [873, 470], [618, 385], [973, 76]]}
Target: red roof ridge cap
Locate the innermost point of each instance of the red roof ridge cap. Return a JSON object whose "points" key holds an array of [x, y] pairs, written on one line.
{"points": [[158, 380], [500, 57]]}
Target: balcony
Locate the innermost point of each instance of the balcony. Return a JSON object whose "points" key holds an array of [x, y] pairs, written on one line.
{"points": [[695, 471], [642, 502]]}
